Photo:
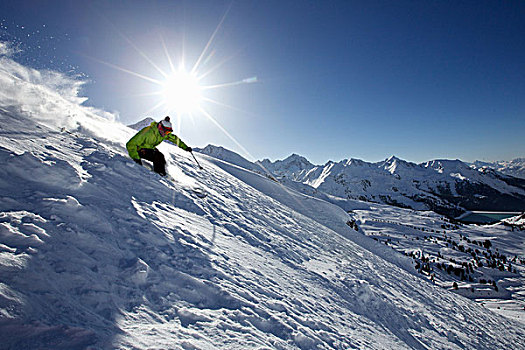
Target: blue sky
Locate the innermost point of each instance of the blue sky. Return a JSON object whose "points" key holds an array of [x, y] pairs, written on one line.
{"points": [[335, 79]]}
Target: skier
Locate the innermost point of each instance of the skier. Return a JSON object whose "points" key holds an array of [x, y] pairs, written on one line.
{"points": [[143, 144]]}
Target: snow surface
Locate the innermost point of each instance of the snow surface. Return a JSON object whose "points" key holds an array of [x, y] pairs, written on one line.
{"points": [[98, 252]]}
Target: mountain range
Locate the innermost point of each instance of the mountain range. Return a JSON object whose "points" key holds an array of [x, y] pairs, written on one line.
{"points": [[514, 167], [448, 187]]}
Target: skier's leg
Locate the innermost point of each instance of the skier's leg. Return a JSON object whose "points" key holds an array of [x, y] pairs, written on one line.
{"points": [[147, 153], [155, 156], [159, 162]]}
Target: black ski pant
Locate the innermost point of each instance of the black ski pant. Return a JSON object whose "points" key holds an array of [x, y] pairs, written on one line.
{"points": [[155, 156]]}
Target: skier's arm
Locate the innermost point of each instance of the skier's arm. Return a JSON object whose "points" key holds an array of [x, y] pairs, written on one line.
{"points": [[175, 139]]}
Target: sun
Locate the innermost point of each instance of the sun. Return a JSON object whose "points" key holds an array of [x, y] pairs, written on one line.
{"points": [[182, 93]]}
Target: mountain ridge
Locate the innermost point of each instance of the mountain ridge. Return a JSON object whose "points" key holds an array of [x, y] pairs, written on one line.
{"points": [[515, 167], [449, 187]]}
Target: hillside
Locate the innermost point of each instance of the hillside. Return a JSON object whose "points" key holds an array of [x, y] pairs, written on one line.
{"points": [[98, 251]]}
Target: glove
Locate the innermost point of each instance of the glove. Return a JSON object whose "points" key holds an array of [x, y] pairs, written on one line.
{"points": [[189, 149], [138, 161]]}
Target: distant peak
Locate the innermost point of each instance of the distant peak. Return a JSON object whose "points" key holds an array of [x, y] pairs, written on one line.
{"points": [[213, 147], [392, 158], [354, 162], [295, 156], [142, 124]]}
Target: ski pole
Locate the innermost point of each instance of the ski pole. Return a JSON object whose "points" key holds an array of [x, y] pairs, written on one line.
{"points": [[196, 161]]}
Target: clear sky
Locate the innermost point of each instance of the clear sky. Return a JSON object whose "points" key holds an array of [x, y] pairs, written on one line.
{"points": [[325, 79]]}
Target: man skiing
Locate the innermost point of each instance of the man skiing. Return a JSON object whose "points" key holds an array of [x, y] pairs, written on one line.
{"points": [[142, 145]]}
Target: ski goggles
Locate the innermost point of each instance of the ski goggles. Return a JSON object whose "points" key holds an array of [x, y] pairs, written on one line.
{"points": [[164, 131]]}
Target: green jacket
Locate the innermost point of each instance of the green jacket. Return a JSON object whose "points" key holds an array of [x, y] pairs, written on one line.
{"points": [[150, 137]]}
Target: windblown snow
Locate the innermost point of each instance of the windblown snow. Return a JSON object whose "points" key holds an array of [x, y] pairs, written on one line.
{"points": [[97, 252]]}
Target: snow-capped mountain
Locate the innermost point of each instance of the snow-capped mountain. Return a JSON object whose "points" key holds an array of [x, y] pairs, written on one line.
{"points": [[514, 167], [448, 187], [142, 123], [294, 166], [445, 186], [97, 252]]}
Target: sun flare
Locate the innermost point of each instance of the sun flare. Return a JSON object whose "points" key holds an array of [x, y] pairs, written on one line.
{"points": [[182, 93]]}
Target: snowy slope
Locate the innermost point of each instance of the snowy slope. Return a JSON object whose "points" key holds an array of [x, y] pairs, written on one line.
{"points": [[231, 157], [446, 253], [98, 251], [518, 221]]}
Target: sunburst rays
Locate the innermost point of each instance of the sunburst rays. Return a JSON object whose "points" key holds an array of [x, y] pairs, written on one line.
{"points": [[181, 91]]}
